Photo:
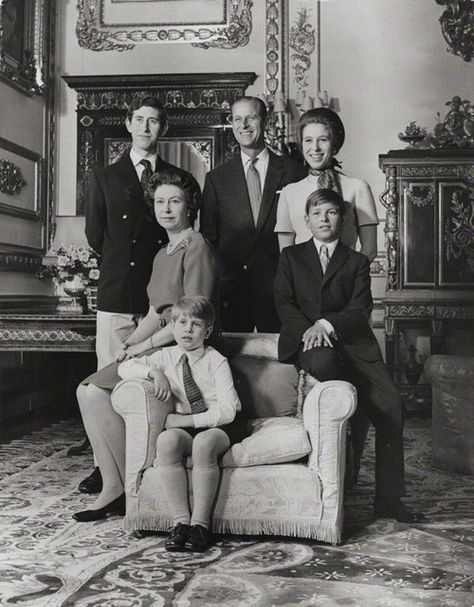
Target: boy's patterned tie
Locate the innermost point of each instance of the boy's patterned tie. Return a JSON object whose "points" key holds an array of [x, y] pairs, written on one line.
{"points": [[146, 173], [255, 189], [193, 393], [324, 257]]}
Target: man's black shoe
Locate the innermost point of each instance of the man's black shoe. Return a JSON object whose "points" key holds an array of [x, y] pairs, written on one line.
{"points": [[93, 483], [177, 538], [198, 539], [395, 508]]}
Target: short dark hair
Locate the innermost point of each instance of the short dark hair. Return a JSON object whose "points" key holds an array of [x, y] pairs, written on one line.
{"points": [[148, 101], [196, 306], [262, 108], [184, 181], [322, 115], [325, 195]]}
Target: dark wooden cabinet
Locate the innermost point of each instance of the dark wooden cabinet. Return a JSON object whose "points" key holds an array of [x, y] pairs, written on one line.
{"points": [[429, 202]]}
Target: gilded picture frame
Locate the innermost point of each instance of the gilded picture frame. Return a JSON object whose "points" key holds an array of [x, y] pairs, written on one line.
{"points": [[22, 27], [105, 25]]}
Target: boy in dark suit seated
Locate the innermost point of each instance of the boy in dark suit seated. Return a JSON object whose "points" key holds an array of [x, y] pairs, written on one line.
{"points": [[323, 299]]}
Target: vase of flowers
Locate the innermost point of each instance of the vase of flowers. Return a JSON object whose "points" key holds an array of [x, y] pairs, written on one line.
{"points": [[75, 269]]}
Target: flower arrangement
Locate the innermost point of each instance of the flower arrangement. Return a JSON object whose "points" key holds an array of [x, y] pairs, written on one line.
{"points": [[71, 262]]}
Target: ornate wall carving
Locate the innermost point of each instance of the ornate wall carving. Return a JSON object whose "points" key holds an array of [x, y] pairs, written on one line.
{"points": [[302, 41], [95, 34]]}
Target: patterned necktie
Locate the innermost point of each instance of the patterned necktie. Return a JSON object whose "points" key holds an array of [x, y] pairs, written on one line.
{"points": [[324, 257], [254, 188], [146, 173], [193, 393]]}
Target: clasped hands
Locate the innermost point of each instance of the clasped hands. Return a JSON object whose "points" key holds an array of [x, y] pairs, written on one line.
{"points": [[316, 336]]}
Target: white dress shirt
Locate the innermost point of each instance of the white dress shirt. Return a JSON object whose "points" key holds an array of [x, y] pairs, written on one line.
{"points": [[261, 164], [331, 247], [210, 371], [136, 160]]}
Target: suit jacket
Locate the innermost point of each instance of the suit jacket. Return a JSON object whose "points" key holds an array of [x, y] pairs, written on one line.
{"points": [[124, 232], [245, 250], [342, 296]]}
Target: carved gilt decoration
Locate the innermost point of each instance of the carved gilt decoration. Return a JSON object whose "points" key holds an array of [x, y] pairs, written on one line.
{"points": [[25, 70], [237, 33], [455, 312], [457, 26], [11, 179], [429, 171], [302, 41], [92, 33], [203, 148], [52, 336], [196, 98], [274, 47], [410, 311], [389, 199], [421, 195], [459, 230]]}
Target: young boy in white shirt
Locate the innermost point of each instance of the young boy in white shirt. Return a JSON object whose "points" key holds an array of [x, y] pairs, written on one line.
{"points": [[199, 380]]}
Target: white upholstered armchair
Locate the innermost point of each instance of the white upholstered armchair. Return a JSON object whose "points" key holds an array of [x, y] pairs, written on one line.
{"points": [[286, 478]]}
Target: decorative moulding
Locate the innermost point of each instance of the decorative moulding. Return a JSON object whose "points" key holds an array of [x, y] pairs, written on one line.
{"points": [[20, 181], [457, 23], [106, 26], [22, 63]]}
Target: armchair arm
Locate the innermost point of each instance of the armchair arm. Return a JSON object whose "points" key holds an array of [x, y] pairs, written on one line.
{"points": [[144, 416], [326, 411]]}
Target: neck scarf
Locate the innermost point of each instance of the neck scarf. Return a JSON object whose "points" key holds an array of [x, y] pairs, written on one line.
{"points": [[328, 177]]}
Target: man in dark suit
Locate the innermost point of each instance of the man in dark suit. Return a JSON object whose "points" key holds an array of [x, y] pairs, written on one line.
{"points": [[126, 236], [122, 231], [323, 298], [238, 217]]}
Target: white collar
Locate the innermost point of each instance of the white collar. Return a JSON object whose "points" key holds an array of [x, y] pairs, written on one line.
{"points": [[136, 158], [330, 245], [193, 355], [262, 156]]}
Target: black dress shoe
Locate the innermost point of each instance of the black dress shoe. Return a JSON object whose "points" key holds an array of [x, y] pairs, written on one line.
{"points": [[177, 538], [198, 539], [93, 483], [116, 506], [395, 508]]}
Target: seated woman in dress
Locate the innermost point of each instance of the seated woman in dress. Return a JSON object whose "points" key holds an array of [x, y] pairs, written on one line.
{"points": [[186, 266], [320, 135]]}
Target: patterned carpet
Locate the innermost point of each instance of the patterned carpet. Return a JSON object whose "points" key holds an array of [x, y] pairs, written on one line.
{"points": [[49, 560]]}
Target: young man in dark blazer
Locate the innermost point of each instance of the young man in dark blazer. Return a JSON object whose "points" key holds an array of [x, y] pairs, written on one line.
{"points": [[323, 298], [238, 217], [126, 236], [122, 231]]}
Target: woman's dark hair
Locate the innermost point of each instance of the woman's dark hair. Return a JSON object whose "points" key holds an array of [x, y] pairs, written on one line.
{"points": [[149, 101], [322, 115], [184, 181], [323, 195]]}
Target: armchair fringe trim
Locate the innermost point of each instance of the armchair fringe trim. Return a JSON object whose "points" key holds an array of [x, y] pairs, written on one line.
{"points": [[289, 528]]}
